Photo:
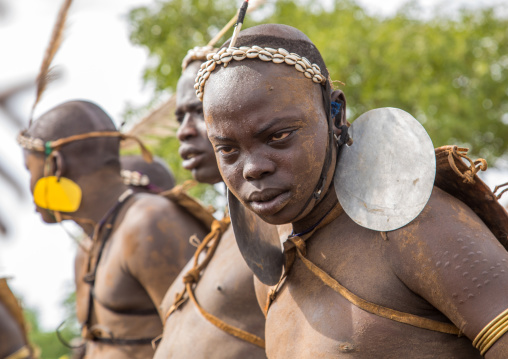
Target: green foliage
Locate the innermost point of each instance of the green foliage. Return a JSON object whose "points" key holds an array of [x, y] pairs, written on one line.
{"points": [[170, 28], [451, 72], [46, 343]]}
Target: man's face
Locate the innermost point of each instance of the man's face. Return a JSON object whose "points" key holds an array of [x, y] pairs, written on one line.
{"points": [[35, 165], [195, 148], [269, 130]]}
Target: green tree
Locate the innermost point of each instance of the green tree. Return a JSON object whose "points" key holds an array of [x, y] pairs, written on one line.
{"points": [[450, 72]]}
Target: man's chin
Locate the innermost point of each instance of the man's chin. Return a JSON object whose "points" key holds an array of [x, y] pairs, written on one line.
{"points": [[46, 216], [276, 219], [202, 175]]}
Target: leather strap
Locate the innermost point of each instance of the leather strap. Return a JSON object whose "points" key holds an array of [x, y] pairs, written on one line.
{"points": [[22, 353], [239, 333], [119, 341], [179, 196], [401, 317], [210, 242], [295, 246]]}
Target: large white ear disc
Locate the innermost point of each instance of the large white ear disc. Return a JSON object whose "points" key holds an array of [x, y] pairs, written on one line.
{"points": [[385, 178]]}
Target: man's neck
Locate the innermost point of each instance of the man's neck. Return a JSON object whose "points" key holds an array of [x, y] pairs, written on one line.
{"points": [[100, 192], [318, 212]]}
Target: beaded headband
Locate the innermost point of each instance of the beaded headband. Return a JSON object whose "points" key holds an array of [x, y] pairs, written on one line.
{"points": [[279, 56], [134, 178], [199, 53], [39, 145]]}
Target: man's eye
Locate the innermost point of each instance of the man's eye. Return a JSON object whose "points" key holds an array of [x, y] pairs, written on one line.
{"points": [[280, 136], [179, 119], [226, 150]]}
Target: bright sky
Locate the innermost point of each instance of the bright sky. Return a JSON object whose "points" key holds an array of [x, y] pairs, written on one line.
{"points": [[99, 64]]}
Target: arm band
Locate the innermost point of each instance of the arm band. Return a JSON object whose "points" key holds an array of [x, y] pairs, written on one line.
{"points": [[491, 333]]}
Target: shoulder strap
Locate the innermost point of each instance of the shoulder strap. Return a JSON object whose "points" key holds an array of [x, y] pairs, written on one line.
{"points": [[401, 317], [108, 224], [22, 353], [179, 196], [191, 278], [296, 246]]}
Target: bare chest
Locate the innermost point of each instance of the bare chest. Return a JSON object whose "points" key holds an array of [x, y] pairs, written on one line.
{"points": [[114, 290], [309, 319]]}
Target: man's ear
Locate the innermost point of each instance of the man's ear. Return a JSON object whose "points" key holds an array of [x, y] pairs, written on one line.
{"points": [[340, 119], [57, 164]]}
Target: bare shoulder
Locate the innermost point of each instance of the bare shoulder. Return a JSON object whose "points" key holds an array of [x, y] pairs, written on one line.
{"points": [[153, 226], [445, 224], [152, 215], [147, 208], [448, 256]]}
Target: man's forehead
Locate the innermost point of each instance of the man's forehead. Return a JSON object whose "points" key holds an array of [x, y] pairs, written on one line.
{"points": [[185, 92], [251, 80]]}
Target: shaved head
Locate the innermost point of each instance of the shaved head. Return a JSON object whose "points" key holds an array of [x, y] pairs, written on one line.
{"points": [[161, 177], [281, 36], [78, 117]]}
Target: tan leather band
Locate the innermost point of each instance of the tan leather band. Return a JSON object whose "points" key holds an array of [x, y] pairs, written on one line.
{"points": [[36, 144], [401, 317], [239, 333], [297, 246], [23, 353]]}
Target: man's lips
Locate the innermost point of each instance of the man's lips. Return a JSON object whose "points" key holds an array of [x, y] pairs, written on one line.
{"points": [[269, 201], [191, 157]]}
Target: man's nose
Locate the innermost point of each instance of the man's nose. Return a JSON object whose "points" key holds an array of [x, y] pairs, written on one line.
{"points": [[187, 128], [256, 167]]}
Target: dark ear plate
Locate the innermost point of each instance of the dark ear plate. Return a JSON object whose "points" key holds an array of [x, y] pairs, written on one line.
{"points": [[258, 242]]}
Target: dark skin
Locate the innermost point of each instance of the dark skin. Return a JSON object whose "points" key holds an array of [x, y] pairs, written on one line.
{"points": [[142, 256], [195, 148], [226, 288], [445, 265]]}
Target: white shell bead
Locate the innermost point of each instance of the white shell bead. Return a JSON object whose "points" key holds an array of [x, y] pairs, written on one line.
{"points": [[211, 67], [307, 75], [252, 54], [300, 66], [270, 50], [239, 55], [225, 58], [307, 62], [283, 52], [255, 47], [290, 60], [278, 59]]}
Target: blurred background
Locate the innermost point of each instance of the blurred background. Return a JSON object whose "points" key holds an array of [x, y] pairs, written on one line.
{"points": [[445, 62]]}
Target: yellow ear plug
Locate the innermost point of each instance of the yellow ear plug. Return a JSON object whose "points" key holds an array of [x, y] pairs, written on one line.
{"points": [[57, 194]]}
